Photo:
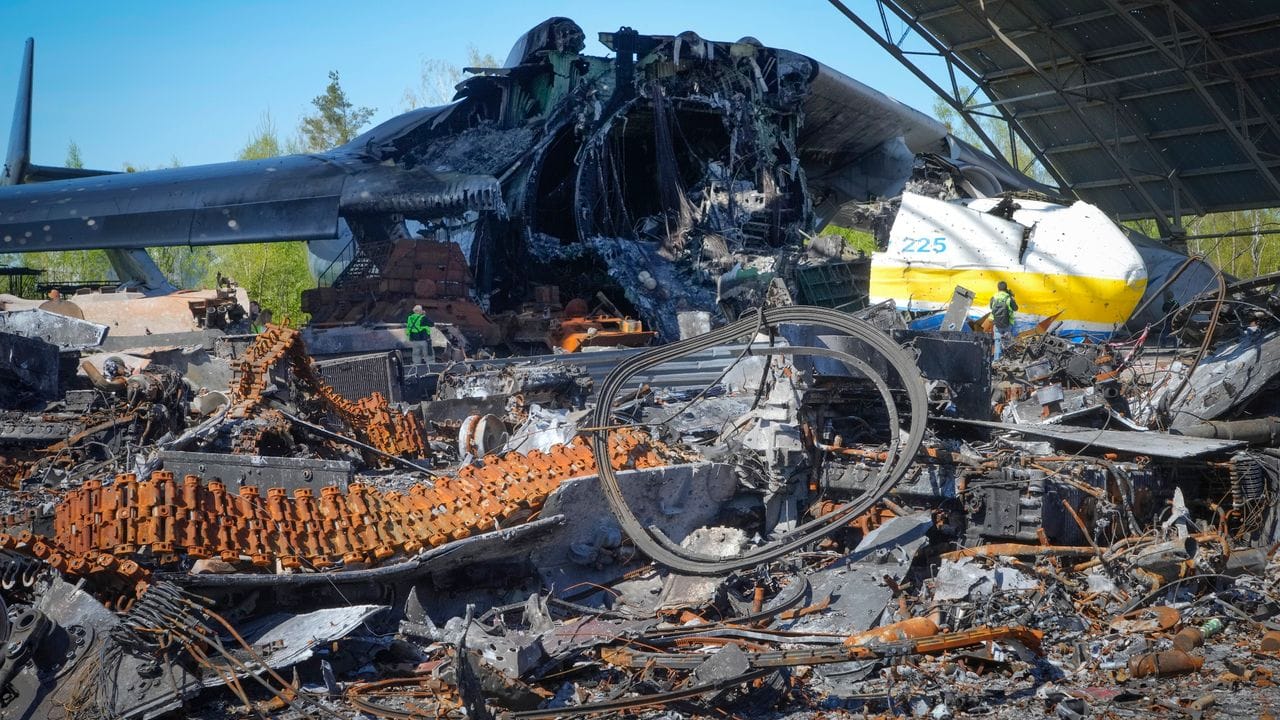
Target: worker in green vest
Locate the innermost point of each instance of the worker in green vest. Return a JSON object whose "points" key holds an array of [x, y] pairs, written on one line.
{"points": [[260, 323], [1003, 307], [417, 330]]}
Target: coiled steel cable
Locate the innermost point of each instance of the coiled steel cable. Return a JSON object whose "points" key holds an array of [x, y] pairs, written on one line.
{"points": [[660, 548]]}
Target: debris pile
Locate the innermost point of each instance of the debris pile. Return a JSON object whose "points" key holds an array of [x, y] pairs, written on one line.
{"points": [[794, 505], [803, 511]]}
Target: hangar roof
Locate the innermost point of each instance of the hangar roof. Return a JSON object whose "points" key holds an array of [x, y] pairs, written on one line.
{"points": [[1147, 108]]}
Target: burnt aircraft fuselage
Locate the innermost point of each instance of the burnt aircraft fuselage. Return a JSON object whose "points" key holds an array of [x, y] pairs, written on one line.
{"points": [[658, 170]]}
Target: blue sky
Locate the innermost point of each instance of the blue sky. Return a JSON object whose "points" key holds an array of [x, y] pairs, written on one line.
{"points": [[143, 82]]}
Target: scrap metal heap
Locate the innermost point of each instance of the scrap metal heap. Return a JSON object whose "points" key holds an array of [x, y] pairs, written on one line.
{"points": [[801, 512], [372, 418], [789, 512]]}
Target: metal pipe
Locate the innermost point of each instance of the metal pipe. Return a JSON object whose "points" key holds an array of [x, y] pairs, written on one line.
{"points": [[1018, 550], [1255, 431]]}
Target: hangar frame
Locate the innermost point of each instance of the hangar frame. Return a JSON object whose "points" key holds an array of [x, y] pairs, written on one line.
{"points": [[1146, 108]]}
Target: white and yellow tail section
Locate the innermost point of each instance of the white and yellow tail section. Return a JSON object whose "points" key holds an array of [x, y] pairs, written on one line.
{"points": [[1071, 260]]}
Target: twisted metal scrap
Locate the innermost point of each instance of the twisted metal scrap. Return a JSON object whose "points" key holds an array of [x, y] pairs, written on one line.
{"points": [[372, 419]]}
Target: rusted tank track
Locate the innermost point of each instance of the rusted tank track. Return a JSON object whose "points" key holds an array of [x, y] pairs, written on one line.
{"points": [[113, 527], [371, 418]]}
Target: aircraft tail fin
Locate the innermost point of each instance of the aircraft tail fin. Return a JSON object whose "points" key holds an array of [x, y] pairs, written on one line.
{"points": [[19, 154]]}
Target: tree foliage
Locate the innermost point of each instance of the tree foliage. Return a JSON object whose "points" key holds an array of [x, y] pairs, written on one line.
{"points": [[274, 274], [73, 156], [265, 142], [1001, 134], [336, 120], [438, 79], [1252, 252]]}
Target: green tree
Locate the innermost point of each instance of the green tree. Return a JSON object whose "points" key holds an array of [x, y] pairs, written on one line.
{"points": [[336, 120], [185, 267], [265, 142], [1249, 251], [1001, 133], [274, 274], [73, 155], [438, 79]]}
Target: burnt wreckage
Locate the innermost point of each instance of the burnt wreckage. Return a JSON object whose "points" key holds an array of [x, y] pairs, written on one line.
{"points": [[676, 167], [801, 510], [681, 174]]}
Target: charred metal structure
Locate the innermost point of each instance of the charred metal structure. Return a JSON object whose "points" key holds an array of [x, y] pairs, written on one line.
{"points": [[790, 510], [654, 173]]}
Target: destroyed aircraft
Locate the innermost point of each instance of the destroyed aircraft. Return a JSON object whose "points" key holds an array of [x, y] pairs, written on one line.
{"points": [[768, 517], [1069, 265], [681, 174], [800, 511]]}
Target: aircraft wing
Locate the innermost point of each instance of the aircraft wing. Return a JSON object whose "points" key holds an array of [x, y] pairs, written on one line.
{"points": [[858, 143], [295, 197], [845, 119]]}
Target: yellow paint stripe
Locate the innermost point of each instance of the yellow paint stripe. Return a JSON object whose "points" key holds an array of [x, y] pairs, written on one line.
{"points": [[1079, 298]]}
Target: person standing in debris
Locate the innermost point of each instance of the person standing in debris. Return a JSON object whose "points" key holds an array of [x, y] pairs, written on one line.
{"points": [[1003, 307], [260, 325], [417, 330]]}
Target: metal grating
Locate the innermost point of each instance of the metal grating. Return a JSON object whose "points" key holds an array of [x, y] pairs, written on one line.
{"points": [[360, 376]]}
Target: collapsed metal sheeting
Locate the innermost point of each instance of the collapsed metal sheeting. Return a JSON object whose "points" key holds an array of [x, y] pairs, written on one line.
{"points": [[67, 333]]}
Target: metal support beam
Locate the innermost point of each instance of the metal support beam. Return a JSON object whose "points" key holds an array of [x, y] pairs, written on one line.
{"points": [[1191, 131], [1143, 132], [1228, 64], [1070, 101], [951, 98], [1117, 52], [1245, 145], [901, 57], [1129, 97], [1195, 172]]}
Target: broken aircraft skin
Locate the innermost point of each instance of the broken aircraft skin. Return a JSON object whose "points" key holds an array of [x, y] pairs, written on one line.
{"points": [[655, 172]]}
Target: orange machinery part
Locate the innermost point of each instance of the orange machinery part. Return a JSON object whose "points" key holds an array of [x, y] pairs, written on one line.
{"points": [[573, 334]]}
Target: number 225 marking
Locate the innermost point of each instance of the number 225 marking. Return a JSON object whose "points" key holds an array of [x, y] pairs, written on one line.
{"points": [[925, 245]]}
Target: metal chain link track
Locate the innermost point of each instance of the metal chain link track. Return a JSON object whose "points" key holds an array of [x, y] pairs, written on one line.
{"points": [[107, 528], [372, 418]]}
